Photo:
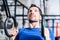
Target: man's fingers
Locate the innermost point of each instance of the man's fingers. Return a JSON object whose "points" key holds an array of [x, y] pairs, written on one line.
{"points": [[13, 31]]}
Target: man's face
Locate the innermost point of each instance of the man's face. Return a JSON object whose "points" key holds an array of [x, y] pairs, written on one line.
{"points": [[34, 14]]}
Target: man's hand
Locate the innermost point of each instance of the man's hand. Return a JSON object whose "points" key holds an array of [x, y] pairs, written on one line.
{"points": [[13, 31]]}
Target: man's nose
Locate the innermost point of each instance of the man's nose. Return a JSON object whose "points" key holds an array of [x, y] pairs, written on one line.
{"points": [[32, 12]]}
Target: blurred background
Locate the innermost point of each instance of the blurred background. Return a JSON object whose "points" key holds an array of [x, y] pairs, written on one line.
{"points": [[50, 10]]}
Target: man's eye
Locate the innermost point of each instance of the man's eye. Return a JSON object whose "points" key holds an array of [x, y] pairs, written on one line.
{"points": [[35, 10], [30, 11]]}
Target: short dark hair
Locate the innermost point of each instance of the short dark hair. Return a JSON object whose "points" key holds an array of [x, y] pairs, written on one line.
{"points": [[33, 5]]}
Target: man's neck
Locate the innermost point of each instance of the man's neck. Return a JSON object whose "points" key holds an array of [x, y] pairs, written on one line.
{"points": [[34, 24]]}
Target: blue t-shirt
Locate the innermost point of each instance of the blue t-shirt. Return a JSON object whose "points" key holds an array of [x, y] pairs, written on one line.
{"points": [[29, 34], [32, 34]]}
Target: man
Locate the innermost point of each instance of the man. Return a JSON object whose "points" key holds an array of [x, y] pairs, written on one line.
{"points": [[34, 30]]}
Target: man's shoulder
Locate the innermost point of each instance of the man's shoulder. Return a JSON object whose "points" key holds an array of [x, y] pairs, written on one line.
{"points": [[21, 29], [27, 29]]}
